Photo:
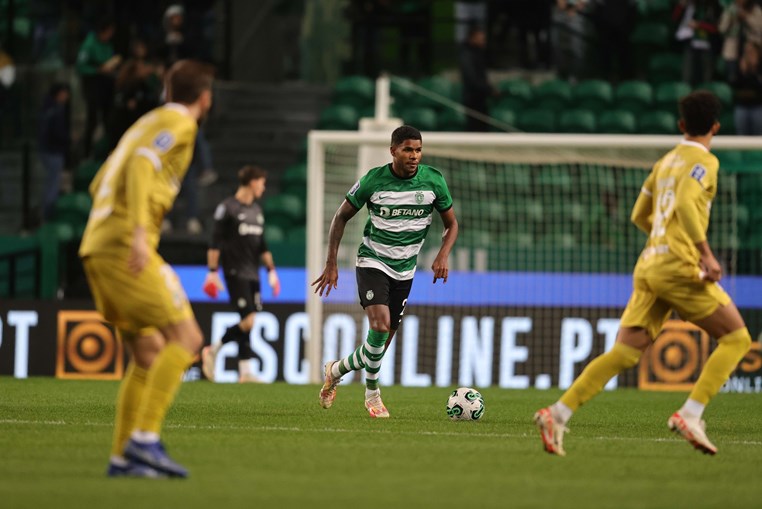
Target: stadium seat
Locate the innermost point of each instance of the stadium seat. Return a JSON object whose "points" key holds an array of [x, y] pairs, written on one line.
{"points": [[284, 210], [274, 233], [668, 94], [355, 91], [577, 121], [731, 161], [514, 94], [297, 236], [422, 118], [552, 94], [558, 240], [516, 240], [727, 123], [657, 122], [633, 96], [595, 180], [616, 122], [84, 174], [451, 120], [504, 115], [537, 121], [295, 174], [518, 177], [651, 35], [438, 88], [722, 90], [665, 67], [595, 95], [73, 209], [553, 180], [339, 117], [524, 213]]}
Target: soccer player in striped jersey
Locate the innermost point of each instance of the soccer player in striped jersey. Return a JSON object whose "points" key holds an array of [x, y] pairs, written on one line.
{"points": [[676, 271], [132, 286], [401, 197]]}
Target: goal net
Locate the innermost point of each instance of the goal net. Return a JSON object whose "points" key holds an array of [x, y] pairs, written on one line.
{"points": [[541, 270]]}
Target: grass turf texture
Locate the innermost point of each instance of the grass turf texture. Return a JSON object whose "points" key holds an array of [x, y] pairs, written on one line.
{"points": [[273, 446]]}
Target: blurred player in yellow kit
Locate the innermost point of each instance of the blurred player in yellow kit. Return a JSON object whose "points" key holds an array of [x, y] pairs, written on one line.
{"points": [[132, 286], [676, 271]]}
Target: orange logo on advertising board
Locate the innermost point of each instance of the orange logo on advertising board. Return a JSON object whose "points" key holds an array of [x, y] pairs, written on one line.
{"points": [[88, 348], [674, 360]]}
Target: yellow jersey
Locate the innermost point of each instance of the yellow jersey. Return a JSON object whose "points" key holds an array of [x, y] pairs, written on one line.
{"points": [[138, 183], [673, 209]]}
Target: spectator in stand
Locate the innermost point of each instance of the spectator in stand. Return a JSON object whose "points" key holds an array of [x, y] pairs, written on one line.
{"points": [[570, 33], [177, 45], [96, 64], [740, 21], [696, 31], [748, 91], [473, 72], [138, 87], [467, 14], [54, 140], [614, 21]]}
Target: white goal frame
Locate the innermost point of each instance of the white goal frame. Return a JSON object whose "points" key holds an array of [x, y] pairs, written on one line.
{"points": [[317, 141]]}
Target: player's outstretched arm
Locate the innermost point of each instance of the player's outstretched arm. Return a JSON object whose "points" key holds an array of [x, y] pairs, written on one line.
{"points": [[440, 265], [330, 276]]}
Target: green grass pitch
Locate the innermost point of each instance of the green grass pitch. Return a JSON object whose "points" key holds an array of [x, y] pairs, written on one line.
{"points": [[272, 446]]}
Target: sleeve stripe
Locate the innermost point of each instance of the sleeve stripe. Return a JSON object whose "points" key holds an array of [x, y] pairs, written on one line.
{"points": [[151, 156]]}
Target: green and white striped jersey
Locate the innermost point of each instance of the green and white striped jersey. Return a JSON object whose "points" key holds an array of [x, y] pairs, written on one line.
{"points": [[400, 213]]}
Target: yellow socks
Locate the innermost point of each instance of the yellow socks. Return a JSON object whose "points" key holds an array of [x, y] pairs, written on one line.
{"points": [[127, 403], [730, 350], [164, 379], [591, 381]]}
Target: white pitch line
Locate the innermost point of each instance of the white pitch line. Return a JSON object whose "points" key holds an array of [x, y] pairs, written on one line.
{"points": [[293, 429]]}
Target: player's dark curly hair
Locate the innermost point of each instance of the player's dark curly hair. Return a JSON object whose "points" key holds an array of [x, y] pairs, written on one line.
{"points": [[249, 173], [405, 132], [699, 111]]}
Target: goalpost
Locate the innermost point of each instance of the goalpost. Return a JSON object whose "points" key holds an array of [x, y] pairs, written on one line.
{"points": [[542, 266]]}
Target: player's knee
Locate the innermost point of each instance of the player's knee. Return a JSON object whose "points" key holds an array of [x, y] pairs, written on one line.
{"points": [[741, 338], [380, 326], [247, 323]]}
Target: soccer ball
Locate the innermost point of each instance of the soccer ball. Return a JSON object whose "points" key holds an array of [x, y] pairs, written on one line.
{"points": [[465, 404]]}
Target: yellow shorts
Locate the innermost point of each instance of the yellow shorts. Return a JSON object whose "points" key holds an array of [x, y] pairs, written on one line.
{"points": [[153, 299], [653, 300]]}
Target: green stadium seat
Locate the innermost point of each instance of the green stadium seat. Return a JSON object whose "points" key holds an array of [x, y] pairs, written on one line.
{"points": [[651, 35], [73, 209], [284, 210], [451, 120], [537, 121], [552, 94], [721, 89], [516, 240], [616, 122], [753, 160], [504, 115], [295, 174], [558, 240], [577, 121], [514, 94], [355, 91], [667, 95], [297, 236], [523, 213], [339, 117], [401, 90], [422, 118], [595, 180], [274, 233], [84, 174], [633, 96], [518, 177], [727, 123], [553, 180], [657, 122], [369, 111], [731, 161], [596, 95], [438, 87], [665, 67]]}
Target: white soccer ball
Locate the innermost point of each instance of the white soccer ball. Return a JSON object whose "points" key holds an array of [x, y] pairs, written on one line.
{"points": [[465, 404]]}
